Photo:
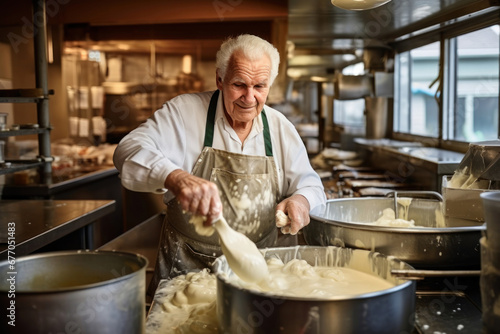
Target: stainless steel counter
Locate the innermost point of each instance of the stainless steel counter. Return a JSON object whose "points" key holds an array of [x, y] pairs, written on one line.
{"points": [[61, 182], [384, 142], [436, 159], [79, 184], [410, 162], [37, 223]]}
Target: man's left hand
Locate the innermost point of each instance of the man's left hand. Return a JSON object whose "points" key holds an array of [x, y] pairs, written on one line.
{"points": [[296, 207]]}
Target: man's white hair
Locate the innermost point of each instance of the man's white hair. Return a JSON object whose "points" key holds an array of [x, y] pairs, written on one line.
{"points": [[253, 48]]}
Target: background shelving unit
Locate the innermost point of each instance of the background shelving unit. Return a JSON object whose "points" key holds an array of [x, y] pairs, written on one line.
{"points": [[38, 95]]}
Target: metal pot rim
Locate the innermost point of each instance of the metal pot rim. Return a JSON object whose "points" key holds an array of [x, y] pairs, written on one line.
{"points": [[418, 230], [223, 278], [143, 262]]}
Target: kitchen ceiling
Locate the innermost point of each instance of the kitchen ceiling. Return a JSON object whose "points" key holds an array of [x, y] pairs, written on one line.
{"points": [[315, 27], [322, 35], [202, 39], [180, 47], [318, 25], [176, 27]]}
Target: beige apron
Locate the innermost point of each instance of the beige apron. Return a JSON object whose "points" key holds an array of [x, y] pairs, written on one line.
{"points": [[248, 188]]}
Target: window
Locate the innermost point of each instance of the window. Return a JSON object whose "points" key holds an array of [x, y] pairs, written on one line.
{"points": [[416, 108], [473, 100], [470, 88]]}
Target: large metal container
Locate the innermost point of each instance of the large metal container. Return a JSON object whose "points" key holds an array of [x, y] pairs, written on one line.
{"points": [[74, 292], [489, 283], [344, 223], [386, 311], [491, 204]]}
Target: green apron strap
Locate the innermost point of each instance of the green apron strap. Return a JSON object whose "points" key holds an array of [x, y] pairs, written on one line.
{"points": [[209, 126], [267, 135]]}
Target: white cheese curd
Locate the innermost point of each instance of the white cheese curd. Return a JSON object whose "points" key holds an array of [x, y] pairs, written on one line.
{"points": [[388, 218], [198, 221], [297, 278], [186, 305], [281, 219]]}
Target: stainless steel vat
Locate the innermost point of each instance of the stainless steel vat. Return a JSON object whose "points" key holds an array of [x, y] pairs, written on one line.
{"points": [[343, 223], [387, 311], [74, 292]]}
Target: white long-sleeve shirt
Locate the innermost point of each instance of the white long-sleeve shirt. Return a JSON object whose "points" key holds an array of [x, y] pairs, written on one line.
{"points": [[173, 138]]}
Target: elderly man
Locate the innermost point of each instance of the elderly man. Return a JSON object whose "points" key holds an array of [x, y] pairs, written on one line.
{"points": [[222, 152]]}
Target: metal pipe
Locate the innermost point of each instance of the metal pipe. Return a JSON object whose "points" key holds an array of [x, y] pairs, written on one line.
{"points": [[41, 80], [421, 274], [396, 214]]}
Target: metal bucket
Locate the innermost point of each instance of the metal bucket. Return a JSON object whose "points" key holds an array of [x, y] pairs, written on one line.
{"points": [[343, 223], [489, 283], [491, 204], [386, 311], [74, 292]]}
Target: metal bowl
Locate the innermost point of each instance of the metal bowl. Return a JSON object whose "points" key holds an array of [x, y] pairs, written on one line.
{"points": [[386, 311], [344, 223]]}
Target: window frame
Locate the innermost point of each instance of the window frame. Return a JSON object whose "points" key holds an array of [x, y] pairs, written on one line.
{"points": [[446, 35]]}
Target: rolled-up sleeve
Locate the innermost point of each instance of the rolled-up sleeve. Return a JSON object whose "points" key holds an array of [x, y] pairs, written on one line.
{"points": [[149, 153], [144, 170]]}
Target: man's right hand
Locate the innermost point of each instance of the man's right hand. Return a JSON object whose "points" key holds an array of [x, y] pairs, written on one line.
{"points": [[195, 195]]}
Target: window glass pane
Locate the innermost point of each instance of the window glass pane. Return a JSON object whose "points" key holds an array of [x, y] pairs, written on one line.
{"points": [[402, 94], [416, 110], [349, 112], [476, 106], [459, 118], [354, 69]]}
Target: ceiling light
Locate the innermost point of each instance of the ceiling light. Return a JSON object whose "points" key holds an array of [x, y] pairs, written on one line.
{"points": [[348, 57], [123, 46], [358, 4], [187, 64], [317, 78]]}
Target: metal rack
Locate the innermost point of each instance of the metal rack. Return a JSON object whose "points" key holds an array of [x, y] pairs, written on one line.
{"points": [[40, 96]]}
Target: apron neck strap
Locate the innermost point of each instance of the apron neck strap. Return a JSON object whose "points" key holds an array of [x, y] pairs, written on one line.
{"points": [[210, 124], [267, 135]]}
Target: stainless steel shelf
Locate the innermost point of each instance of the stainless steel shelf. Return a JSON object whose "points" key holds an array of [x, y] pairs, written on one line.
{"points": [[17, 166], [20, 99], [21, 95], [38, 95], [34, 95], [22, 132]]}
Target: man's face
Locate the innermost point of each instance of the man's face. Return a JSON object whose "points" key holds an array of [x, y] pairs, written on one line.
{"points": [[245, 87]]}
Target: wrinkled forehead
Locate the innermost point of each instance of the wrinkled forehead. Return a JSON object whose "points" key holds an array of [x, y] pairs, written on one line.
{"points": [[258, 65], [251, 55]]}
